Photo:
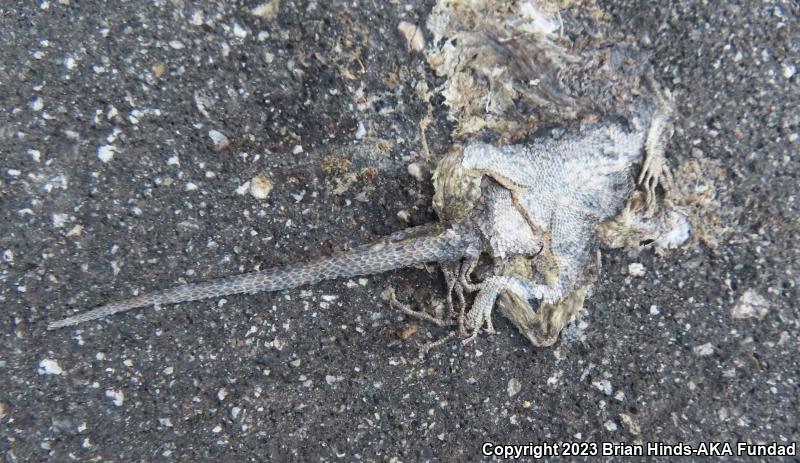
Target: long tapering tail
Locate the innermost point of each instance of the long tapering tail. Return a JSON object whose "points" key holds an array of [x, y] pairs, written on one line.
{"points": [[386, 255]]}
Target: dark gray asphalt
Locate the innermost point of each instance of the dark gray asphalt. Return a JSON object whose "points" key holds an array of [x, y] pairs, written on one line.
{"points": [[111, 184]]}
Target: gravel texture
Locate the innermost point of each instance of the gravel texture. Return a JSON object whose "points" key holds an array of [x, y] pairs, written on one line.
{"points": [[145, 143]]}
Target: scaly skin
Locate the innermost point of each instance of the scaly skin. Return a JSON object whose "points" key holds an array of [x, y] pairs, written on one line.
{"points": [[461, 240]]}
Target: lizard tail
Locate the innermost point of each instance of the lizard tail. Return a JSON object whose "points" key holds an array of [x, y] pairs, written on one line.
{"points": [[365, 260]]}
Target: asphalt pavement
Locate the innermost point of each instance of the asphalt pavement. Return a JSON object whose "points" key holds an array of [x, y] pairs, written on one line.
{"points": [[148, 143]]}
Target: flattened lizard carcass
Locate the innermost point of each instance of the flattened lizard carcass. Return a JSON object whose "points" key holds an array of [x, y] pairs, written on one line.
{"points": [[577, 159]]}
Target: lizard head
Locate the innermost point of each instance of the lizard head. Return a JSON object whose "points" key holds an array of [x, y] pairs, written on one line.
{"points": [[456, 190], [541, 326], [541, 323]]}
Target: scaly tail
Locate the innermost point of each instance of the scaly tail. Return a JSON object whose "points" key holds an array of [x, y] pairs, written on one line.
{"points": [[386, 255]]}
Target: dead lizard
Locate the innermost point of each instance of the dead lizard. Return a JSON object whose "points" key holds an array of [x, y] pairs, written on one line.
{"points": [[538, 208], [502, 202]]}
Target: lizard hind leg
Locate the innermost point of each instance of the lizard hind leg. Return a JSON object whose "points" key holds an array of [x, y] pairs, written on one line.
{"points": [[456, 275], [426, 347], [391, 297]]}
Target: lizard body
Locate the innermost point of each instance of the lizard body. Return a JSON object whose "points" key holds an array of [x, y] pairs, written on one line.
{"points": [[566, 184]]}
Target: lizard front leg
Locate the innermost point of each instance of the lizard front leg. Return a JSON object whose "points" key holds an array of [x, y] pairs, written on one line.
{"points": [[654, 166]]}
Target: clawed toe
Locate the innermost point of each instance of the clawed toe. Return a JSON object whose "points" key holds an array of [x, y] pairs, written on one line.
{"points": [[469, 338], [391, 297], [426, 347], [470, 323]]}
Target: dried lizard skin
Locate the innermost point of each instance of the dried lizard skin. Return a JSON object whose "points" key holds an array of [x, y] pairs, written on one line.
{"points": [[566, 184], [428, 243], [513, 71]]}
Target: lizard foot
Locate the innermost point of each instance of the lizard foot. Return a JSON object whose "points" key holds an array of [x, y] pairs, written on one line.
{"points": [[391, 297], [453, 286], [479, 317], [457, 279], [469, 338], [655, 172], [655, 166]]}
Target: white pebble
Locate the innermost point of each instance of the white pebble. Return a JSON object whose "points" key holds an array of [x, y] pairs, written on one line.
{"points": [[603, 386], [37, 104], [117, 397], [299, 196], [704, 350], [260, 186], [106, 153], [513, 387], [297, 149], [750, 305], [239, 31], [59, 219], [267, 10], [70, 63], [415, 39], [415, 171], [243, 188], [50, 367], [219, 139], [789, 70], [361, 131], [636, 269], [197, 18]]}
